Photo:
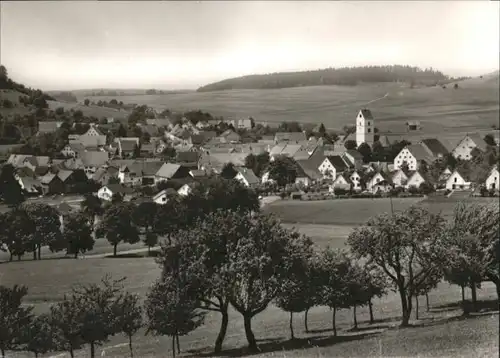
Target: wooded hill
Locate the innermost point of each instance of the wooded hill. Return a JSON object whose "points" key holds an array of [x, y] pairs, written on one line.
{"points": [[345, 76], [7, 83]]}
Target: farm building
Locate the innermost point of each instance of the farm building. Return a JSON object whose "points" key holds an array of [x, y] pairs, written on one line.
{"points": [[413, 155], [492, 182], [458, 181], [332, 166], [247, 177], [464, 148]]}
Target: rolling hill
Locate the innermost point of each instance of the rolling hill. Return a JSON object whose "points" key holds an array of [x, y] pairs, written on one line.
{"points": [[345, 76]]}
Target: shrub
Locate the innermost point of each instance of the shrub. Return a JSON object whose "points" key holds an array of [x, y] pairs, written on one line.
{"points": [[340, 191], [283, 195], [413, 190]]}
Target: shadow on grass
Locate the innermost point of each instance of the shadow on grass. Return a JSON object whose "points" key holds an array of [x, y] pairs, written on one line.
{"points": [[24, 260], [279, 345], [481, 306], [137, 255]]}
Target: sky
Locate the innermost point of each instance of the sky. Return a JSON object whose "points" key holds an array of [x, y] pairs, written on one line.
{"points": [[173, 45]]}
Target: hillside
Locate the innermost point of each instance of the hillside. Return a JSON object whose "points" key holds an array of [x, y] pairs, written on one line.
{"points": [[9, 84], [345, 76]]}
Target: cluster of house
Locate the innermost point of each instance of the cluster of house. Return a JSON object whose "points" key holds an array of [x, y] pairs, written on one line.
{"points": [[200, 152]]}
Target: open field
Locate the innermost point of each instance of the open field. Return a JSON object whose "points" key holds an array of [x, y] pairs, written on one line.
{"points": [[48, 280], [353, 212], [90, 110], [447, 112]]}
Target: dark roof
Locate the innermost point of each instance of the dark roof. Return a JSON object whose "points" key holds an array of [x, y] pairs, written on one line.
{"points": [[478, 140], [308, 168], [187, 157], [337, 162], [354, 153], [366, 113], [290, 137], [197, 139], [421, 153], [145, 168], [119, 188], [435, 146], [127, 145]]}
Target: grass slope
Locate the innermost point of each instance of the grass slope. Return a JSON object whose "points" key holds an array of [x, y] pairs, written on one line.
{"points": [[90, 111], [448, 112]]}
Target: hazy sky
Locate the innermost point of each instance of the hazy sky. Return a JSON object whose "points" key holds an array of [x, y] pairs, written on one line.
{"points": [[88, 44]]}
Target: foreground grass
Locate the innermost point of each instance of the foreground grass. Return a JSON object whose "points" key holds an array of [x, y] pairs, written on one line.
{"points": [[48, 280]]}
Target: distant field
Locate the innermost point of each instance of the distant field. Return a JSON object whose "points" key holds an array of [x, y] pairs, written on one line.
{"points": [[95, 111], [344, 212], [447, 112]]}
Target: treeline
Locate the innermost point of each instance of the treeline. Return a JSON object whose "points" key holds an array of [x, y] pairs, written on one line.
{"points": [[31, 93], [65, 96], [222, 253], [345, 76]]}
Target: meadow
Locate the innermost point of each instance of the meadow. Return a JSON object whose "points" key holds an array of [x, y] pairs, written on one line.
{"points": [[449, 112]]}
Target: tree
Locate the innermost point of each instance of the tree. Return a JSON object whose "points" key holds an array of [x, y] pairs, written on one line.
{"points": [[283, 170], [455, 86], [431, 281], [377, 286], [122, 131], [171, 309], [14, 317], [366, 152], [144, 216], [10, 190], [357, 284], [137, 152], [65, 320], [333, 271], [322, 130], [228, 171], [129, 316], [92, 207], [257, 162], [77, 234], [117, 225], [490, 140], [290, 127], [16, 231], [86, 102], [45, 225], [39, 336], [350, 144], [408, 246]]}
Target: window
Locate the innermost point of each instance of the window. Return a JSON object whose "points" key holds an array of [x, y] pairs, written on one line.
{"points": [[455, 180], [369, 130]]}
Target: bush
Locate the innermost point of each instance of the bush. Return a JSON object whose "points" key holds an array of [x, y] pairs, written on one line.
{"points": [[283, 195], [340, 191], [413, 190], [447, 192]]}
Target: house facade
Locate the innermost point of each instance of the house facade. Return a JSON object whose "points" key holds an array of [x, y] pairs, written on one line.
{"points": [[415, 179], [492, 182], [457, 181], [464, 148]]}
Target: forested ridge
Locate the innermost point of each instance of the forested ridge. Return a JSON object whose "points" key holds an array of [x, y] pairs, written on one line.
{"points": [[345, 76]]}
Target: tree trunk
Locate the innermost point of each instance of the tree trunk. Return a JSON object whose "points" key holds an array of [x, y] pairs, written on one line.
{"points": [[463, 295], [130, 346], [34, 252], [178, 344], [114, 249], [292, 336], [19, 257], [252, 343], [10, 257], [354, 316], [223, 329], [76, 254], [71, 353], [149, 250], [370, 306], [92, 350], [173, 346], [3, 352], [416, 307], [36, 354], [334, 325], [39, 251], [305, 320], [474, 296], [427, 301], [405, 306]]}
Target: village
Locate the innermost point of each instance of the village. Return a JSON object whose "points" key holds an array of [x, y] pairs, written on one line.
{"points": [[131, 168]]}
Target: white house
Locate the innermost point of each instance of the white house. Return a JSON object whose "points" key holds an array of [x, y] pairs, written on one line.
{"points": [[399, 178], [464, 148], [457, 181], [247, 177], [73, 149], [107, 192], [413, 155], [492, 182], [161, 198], [415, 179], [266, 179], [445, 174], [365, 127], [372, 180], [186, 189], [332, 165]]}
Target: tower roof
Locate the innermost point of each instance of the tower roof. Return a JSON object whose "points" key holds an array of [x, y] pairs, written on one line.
{"points": [[367, 114]]}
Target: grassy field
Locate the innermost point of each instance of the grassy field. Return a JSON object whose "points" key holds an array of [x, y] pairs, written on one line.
{"points": [[353, 212], [90, 110], [448, 112], [437, 333]]}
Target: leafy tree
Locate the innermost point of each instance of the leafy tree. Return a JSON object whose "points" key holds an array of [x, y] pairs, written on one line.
{"points": [[366, 152], [114, 180], [377, 286], [14, 317], [129, 316], [78, 234], [431, 281], [290, 127], [10, 190], [86, 102], [257, 162], [66, 322], [15, 232], [171, 308], [283, 170], [117, 198], [117, 225], [60, 111], [39, 336], [350, 144], [92, 207], [408, 246], [45, 225], [228, 171], [144, 216], [333, 271], [137, 152], [357, 289], [122, 131]]}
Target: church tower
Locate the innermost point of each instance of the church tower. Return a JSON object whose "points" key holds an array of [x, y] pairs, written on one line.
{"points": [[365, 127]]}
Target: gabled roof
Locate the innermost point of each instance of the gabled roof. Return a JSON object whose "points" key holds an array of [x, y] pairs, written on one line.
{"points": [[127, 145], [48, 126], [47, 178], [420, 153], [479, 141], [248, 174], [72, 163], [291, 149], [277, 149], [168, 170], [435, 147], [159, 122], [76, 146], [337, 162], [308, 168], [94, 158], [290, 137], [462, 173], [367, 114], [197, 139], [119, 188], [354, 153], [187, 157], [145, 168], [64, 174], [30, 183], [96, 128]]}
